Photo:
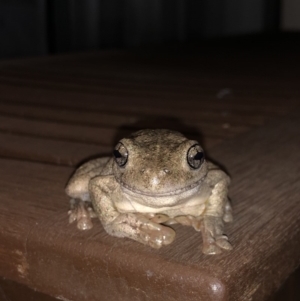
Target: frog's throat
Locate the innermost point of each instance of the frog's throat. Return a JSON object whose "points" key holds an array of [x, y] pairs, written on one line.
{"points": [[169, 193]]}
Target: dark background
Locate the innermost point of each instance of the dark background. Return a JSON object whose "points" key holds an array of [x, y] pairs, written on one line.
{"points": [[30, 28]]}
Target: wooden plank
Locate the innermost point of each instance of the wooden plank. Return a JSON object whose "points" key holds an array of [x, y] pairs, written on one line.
{"points": [[50, 151], [183, 74], [73, 77], [144, 105], [10, 290], [290, 290], [41, 250], [135, 70], [109, 136], [71, 115], [57, 130], [187, 92]]}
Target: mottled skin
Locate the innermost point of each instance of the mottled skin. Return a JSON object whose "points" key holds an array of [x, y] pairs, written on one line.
{"points": [[164, 180]]}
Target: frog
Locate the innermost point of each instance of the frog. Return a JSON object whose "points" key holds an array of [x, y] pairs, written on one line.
{"points": [[155, 178]]}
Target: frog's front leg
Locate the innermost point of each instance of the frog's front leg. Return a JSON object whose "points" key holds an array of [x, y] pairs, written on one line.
{"points": [[217, 211], [81, 209], [132, 225]]}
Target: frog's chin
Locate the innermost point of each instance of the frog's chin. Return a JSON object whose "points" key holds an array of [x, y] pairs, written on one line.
{"points": [[156, 193]]}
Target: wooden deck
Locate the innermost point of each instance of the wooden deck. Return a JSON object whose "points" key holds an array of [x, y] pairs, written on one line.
{"points": [[241, 100]]}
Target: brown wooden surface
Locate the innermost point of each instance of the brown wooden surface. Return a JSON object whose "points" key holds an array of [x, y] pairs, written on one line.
{"points": [[56, 112]]}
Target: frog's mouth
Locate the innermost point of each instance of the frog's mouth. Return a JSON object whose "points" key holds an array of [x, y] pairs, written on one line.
{"points": [[154, 193]]}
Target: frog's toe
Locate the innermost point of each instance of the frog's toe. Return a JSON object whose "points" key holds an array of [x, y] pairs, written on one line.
{"points": [[228, 217], [159, 218], [223, 242], [157, 237], [84, 224], [211, 249], [168, 235], [72, 216]]}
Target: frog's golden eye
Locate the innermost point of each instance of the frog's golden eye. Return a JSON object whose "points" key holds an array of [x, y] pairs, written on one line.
{"points": [[195, 156], [121, 154]]}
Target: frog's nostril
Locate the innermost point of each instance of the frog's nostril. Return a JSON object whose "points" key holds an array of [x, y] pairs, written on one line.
{"points": [[155, 181], [150, 173]]}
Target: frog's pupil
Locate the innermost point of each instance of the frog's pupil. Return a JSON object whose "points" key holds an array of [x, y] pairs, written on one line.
{"points": [[198, 156], [121, 159], [117, 154]]}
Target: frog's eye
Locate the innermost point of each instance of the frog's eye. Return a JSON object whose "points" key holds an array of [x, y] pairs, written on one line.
{"points": [[195, 156], [120, 154]]}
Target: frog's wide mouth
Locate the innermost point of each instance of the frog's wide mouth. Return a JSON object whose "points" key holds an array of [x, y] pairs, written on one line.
{"points": [[161, 194]]}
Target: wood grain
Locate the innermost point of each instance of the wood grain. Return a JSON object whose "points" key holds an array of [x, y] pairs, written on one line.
{"points": [[115, 119], [51, 151]]}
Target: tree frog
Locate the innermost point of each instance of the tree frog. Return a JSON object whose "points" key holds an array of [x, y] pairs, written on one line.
{"points": [[155, 178]]}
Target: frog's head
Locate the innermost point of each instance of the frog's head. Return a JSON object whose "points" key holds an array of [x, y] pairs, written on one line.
{"points": [[159, 162]]}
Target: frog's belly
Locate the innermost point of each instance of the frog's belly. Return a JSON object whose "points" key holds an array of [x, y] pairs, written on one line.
{"points": [[194, 206]]}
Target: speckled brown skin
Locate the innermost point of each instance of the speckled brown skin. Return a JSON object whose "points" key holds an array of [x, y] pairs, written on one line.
{"points": [[155, 187]]}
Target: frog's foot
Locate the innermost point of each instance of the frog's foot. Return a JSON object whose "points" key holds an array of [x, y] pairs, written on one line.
{"points": [[215, 246], [156, 235], [141, 229], [82, 212], [213, 238], [210, 247], [223, 243]]}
